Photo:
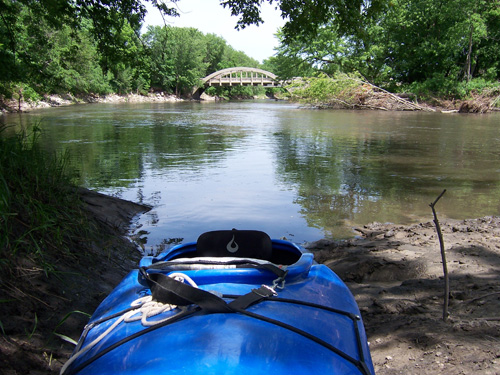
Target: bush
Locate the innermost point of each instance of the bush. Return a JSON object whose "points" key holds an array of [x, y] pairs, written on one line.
{"points": [[445, 87], [19, 91], [437, 86], [323, 89], [481, 86]]}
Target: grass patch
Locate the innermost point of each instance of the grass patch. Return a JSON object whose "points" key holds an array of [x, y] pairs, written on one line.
{"points": [[40, 210]]}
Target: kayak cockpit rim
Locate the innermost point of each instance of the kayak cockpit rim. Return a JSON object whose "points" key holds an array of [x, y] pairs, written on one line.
{"points": [[283, 253], [238, 256]]}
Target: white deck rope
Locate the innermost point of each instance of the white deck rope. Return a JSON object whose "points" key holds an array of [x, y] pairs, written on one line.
{"points": [[146, 308]]}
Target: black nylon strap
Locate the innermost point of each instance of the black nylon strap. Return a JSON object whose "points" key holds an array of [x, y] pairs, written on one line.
{"points": [[360, 364], [165, 289], [249, 299]]}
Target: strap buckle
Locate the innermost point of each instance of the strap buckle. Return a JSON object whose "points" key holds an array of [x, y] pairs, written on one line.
{"points": [[265, 291], [280, 282]]}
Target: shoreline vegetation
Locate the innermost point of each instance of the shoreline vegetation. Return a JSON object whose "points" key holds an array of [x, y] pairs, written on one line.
{"points": [[364, 97], [63, 249], [341, 92], [344, 91]]}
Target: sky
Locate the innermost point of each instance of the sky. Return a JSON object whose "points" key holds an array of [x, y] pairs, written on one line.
{"points": [[209, 16]]}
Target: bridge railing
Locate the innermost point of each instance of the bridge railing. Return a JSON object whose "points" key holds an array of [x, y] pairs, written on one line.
{"points": [[237, 76], [241, 76]]}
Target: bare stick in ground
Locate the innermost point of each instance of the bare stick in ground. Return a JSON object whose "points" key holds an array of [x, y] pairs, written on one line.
{"points": [[443, 257]]}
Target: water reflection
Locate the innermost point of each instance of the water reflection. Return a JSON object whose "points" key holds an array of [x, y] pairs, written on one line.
{"points": [[364, 166], [272, 166]]}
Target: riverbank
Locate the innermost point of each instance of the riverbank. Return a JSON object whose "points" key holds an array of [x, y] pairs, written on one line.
{"points": [[367, 98], [50, 101], [63, 100], [394, 271], [40, 309], [370, 97]]}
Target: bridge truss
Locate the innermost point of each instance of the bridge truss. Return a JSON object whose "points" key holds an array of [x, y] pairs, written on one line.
{"points": [[238, 76]]}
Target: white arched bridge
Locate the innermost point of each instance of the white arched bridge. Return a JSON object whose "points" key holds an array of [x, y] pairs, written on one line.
{"points": [[238, 76]]}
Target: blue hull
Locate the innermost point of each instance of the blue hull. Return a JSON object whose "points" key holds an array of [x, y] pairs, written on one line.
{"points": [[311, 325]]}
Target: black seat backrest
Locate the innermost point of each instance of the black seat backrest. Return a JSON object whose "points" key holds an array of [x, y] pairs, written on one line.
{"points": [[235, 243]]}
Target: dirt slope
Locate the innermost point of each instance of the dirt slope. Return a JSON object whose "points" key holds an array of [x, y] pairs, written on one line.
{"points": [[396, 275]]}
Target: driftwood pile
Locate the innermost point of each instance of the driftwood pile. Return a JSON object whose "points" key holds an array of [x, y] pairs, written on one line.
{"points": [[369, 96]]}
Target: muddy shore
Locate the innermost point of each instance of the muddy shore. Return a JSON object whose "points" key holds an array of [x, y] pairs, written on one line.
{"points": [[394, 271], [396, 275]]}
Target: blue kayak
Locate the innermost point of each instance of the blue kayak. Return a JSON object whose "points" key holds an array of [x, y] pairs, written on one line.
{"points": [[233, 302]]}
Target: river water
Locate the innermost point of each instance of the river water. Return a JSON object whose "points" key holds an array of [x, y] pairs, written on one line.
{"points": [[295, 173]]}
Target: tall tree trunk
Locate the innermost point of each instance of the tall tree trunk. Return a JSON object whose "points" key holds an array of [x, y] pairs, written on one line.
{"points": [[468, 71]]}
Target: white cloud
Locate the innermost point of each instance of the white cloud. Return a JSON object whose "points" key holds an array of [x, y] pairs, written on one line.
{"points": [[209, 16]]}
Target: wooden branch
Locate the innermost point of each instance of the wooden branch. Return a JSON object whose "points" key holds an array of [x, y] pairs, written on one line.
{"points": [[443, 257], [494, 102], [492, 319], [371, 107], [481, 297], [395, 97], [361, 106]]}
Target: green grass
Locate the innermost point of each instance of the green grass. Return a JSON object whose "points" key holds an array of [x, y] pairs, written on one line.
{"points": [[40, 211]]}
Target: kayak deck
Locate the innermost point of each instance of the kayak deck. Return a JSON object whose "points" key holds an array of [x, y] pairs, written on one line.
{"points": [[303, 322]]}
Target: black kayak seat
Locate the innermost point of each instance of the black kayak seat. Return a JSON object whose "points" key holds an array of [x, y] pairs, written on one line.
{"points": [[235, 243]]}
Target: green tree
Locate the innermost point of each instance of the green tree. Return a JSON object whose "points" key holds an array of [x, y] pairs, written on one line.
{"points": [[161, 69], [36, 49], [413, 41], [178, 57], [299, 58], [233, 57], [304, 18], [72, 64], [429, 40], [216, 48], [109, 16], [124, 58], [188, 50], [54, 58], [9, 11], [29, 52]]}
